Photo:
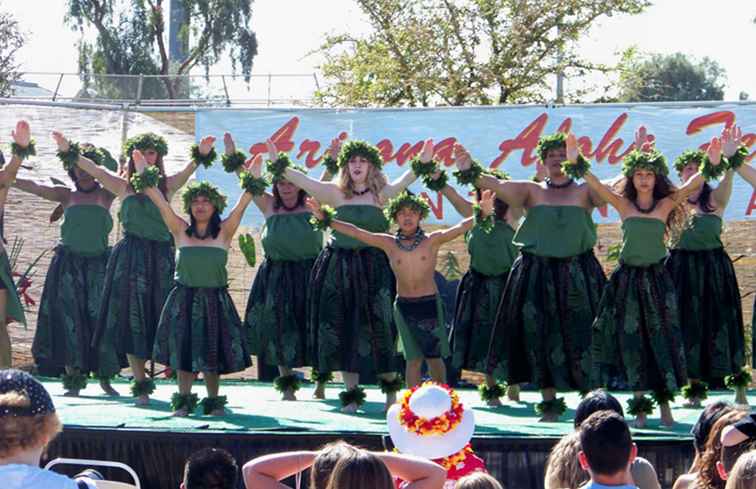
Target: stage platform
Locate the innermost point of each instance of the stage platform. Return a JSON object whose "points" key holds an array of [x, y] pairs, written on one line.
{"points": [[149, 439]]}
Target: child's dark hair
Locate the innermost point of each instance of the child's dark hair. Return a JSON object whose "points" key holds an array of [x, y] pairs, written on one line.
{"points": [[605, 440], [211, 468]]}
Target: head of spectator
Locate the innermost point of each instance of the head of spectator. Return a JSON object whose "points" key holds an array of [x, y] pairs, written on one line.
{"points": [[703, 426], [478, 480], [743, 474], [607, 449], [731, 454], [360, 469], [596, 400], [28, 421], [326, 460], [563, 469], [708, 474], [210, 468]]}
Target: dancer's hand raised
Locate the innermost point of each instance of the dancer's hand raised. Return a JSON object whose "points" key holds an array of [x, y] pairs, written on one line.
{"points": [[228, 143], [572, 148], [22, 134], [642, 141], [714, 151], [461, 157], [428, 151], [139, 162], [206, 144], [272, 151], [254, 165], [314, 207], [335, 148], [731, 140], [61, 141], [486, 202]]}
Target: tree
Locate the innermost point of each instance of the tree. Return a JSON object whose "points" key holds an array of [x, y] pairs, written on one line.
{"points": [[11, 40], [665, 78], [457, 52], [131, 40]]}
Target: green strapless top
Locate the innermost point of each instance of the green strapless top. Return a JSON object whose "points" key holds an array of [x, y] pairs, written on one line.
{"points": [[558, 231], [201, 266], [140, 217], [85, 229], [491, 253], [367, 217], [642, 241], [290, 237], [704, 233]]}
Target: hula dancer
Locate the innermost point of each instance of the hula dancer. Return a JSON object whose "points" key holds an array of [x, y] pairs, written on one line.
{"points": [[140, 268], [708, 297], [748, 172], [199, 329], [10, 305], [479, 292], [276, 315], [418, 310], [542, 331], [637, 332], [350, 308], [73, 285]]}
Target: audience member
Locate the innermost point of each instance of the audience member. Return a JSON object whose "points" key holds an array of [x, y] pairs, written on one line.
{"points": [[562, 468], [28, 422], [708, 475], [743, 474], [607, 450], [478, 480], [210, 468]]}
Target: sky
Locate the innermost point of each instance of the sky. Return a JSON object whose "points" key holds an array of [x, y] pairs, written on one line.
{"points": [[289, 29]]}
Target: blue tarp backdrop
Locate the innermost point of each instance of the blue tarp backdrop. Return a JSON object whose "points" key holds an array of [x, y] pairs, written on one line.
{"points": [[503, 137]]}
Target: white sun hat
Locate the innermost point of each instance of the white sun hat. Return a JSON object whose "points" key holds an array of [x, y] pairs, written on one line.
{"points": [[428, 402]]}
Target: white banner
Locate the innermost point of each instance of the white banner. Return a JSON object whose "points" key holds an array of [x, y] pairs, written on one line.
{"points": [[499, 137]]}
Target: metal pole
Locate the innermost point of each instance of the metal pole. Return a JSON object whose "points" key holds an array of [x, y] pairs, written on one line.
{"points": [[57, 87], [225, 89], [270, 80], [139, 89]]}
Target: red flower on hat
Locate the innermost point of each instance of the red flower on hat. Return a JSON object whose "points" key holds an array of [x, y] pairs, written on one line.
{"points": [[434, 426]]}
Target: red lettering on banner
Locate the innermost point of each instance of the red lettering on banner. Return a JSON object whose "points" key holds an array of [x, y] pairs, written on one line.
{"points": [[751, 205], [282, 138], [385, 147], [527, 141], [699, 123], [603, 210], [438, 208], [309, 147], [565, 126], [609, 145], [405, 152]]}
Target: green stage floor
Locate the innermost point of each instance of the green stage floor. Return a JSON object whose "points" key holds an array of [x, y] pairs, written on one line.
{"points": [[255, 407]]}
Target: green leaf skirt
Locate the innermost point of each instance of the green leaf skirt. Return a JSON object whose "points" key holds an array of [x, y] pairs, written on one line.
{"points": [[542, 332], [200, 331], [350, 315], [637, 336], [276, 316], [711, 314], [68, 312]]}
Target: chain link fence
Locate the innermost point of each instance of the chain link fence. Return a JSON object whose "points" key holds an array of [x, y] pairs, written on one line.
{"points": [[171, 91]]}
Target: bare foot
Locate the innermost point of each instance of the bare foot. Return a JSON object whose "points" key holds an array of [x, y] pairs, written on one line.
{"points": [[640, 421], [288, 395], [180, 413], [71, 393], [740, 396], [513, 393], [549, 418], [495, 402], [349, 408], [142, 400], [108, 389], [319, 391], [666, 415]]}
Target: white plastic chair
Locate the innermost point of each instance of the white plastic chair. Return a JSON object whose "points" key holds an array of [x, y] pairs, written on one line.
{"points": [[101, 484]]}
